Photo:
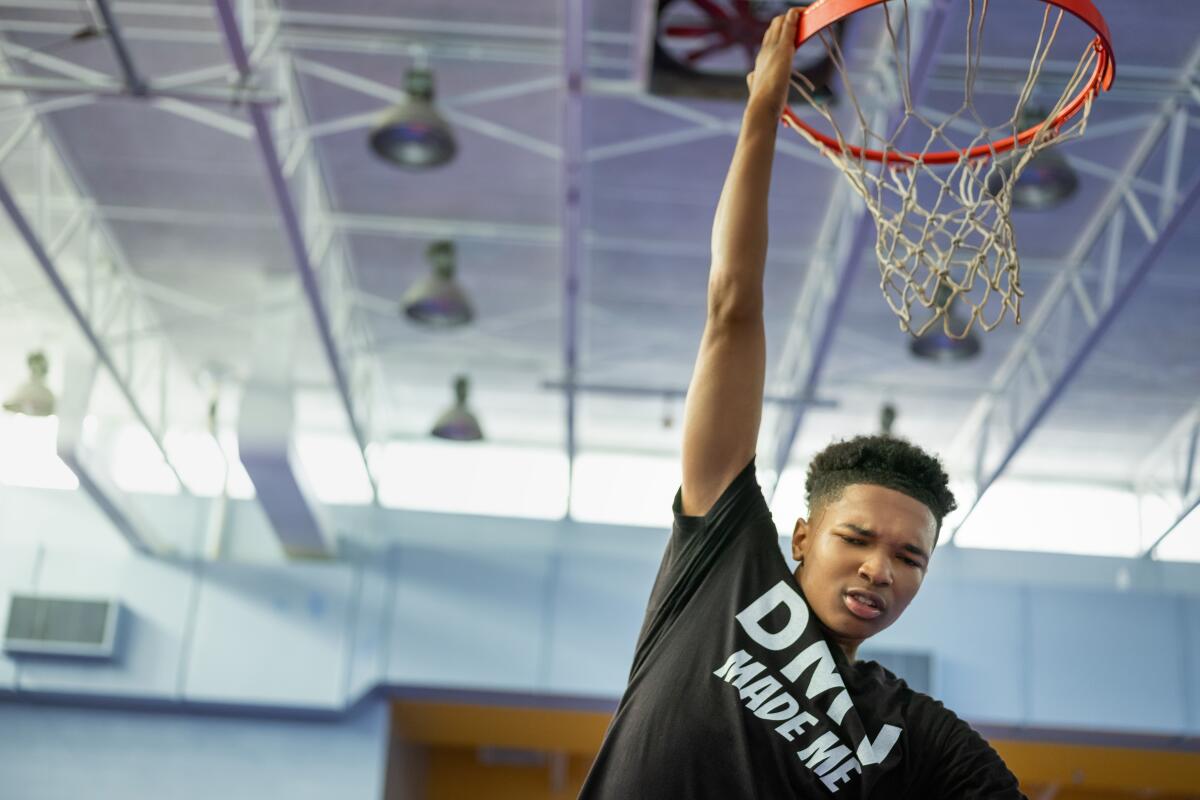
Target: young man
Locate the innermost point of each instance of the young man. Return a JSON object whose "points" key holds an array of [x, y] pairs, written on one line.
{"points": [[744, 681]]}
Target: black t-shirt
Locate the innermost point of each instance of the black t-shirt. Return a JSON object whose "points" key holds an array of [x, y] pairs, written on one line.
{"points": [[736, 691]]}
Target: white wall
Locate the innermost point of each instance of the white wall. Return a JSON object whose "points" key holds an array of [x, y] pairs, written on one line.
{"points": [[52, 752]]}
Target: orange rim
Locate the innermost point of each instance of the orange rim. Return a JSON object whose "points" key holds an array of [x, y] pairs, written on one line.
{"points": [[823, 13]]}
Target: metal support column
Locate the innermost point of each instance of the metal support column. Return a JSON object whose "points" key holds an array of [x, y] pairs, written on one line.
{"points": [[575, 16]]}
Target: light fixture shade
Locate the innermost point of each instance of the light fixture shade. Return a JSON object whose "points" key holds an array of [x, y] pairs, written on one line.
{"points": [[458, 423], [437, 300], [937, 345], [1046, 182], [412, 134], [887, 419], [33, 398]]}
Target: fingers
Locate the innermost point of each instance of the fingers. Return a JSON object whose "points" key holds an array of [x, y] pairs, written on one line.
{"points": [[782, 27], [773, 30], [792, 24]]}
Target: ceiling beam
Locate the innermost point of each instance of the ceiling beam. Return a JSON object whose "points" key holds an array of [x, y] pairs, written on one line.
{"points": [[828, 283], [102, 298], [389, 35], [295, 234]]}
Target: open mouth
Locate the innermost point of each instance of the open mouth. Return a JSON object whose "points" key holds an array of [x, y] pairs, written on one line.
{"points": [[863, 605]]}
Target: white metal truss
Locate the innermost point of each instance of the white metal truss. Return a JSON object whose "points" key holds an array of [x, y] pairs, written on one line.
{"points": [[440, 228], [320, 255], [80, 257], [1033, 370], [1168, 482], [1096, 280], [452, 109], [190, 94]]}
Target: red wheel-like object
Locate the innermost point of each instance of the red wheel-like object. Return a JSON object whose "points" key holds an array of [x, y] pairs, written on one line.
{"points": [[823, 13]]}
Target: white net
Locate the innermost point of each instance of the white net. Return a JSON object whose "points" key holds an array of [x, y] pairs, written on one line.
{"points": [[945, 243]]}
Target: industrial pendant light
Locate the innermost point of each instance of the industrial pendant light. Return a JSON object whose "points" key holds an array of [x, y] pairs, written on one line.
{"points": [[412, 134], [935, 344], [437, 300], [33, 397], [887, 419], [1046, 182], [458, 423]]}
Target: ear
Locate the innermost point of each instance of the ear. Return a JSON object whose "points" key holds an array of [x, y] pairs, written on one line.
{"points": [[799, 539]]}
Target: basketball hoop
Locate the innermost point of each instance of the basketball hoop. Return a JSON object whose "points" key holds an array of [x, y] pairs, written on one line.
{"points": [[942, 207]]}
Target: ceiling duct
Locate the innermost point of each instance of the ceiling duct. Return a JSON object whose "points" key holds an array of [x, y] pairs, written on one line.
{"points": [[267, 448], [77, 452]]}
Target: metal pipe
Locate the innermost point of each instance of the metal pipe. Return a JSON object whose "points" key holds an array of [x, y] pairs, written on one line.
{"points": [[1085, 349], [574, 23], [133, 80]]}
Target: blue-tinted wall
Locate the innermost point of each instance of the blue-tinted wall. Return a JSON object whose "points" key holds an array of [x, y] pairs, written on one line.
{"points": [[487, 605], [53, 752]]}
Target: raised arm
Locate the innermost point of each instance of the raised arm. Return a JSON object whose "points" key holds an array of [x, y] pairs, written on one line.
{"points": [[724, 402]]}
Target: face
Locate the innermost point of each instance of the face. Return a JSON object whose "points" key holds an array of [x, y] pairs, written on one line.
{"points": [[864, 557]]}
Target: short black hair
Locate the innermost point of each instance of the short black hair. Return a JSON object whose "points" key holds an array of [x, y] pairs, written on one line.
{"points": [[880, 460]]}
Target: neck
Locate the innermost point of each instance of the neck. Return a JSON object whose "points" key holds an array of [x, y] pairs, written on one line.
{"points": [[848, 646]]}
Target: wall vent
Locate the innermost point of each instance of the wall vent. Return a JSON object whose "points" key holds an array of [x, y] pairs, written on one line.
{"points": [[61, 626], [916, 668]]}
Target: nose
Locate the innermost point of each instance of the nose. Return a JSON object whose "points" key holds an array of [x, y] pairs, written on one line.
{"points": [[877, 571]]}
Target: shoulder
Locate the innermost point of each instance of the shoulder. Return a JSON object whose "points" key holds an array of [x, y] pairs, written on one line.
{"points": [[741, 502], [947, 757]]}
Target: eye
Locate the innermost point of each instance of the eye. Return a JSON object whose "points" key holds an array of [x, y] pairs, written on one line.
{"points": [[853, 541], [910, 562]]}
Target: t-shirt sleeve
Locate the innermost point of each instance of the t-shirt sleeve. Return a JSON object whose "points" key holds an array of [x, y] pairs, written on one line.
{"points": [[958, 764], [695, 546]]}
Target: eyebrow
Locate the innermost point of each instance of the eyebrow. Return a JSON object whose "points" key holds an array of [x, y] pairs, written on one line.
{"points": [[870, 534]]}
